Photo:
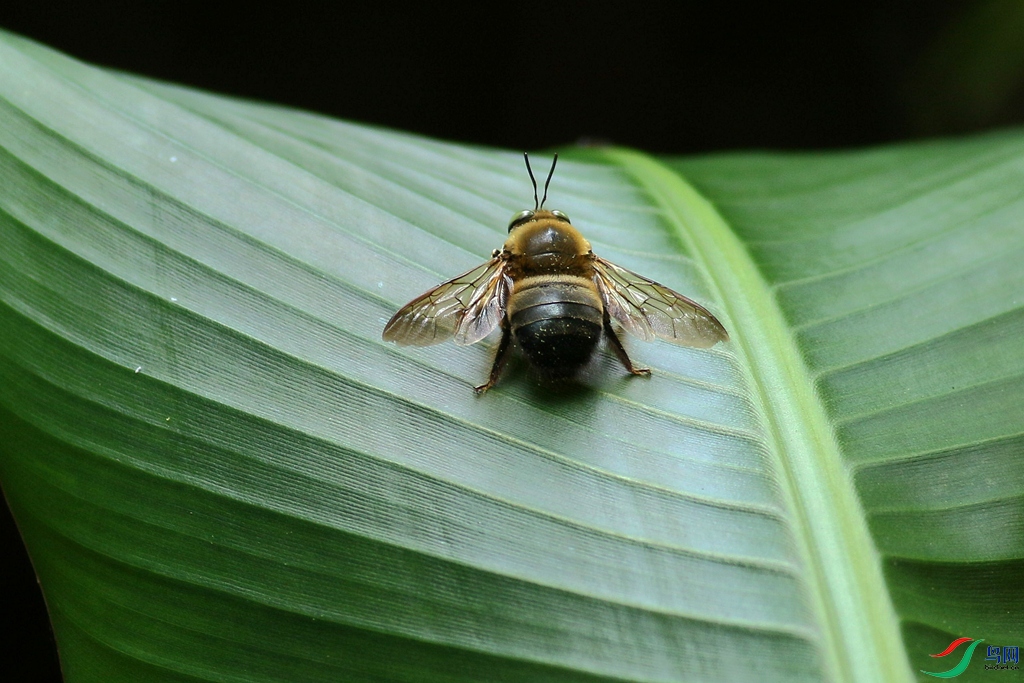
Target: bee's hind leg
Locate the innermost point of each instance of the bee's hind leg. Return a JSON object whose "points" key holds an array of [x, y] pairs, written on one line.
{"points": [[499, 359], [613, 339]]}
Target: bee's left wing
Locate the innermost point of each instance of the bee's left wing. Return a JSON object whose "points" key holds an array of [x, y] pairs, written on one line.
{"points": [[466, 308], [648, 309]]}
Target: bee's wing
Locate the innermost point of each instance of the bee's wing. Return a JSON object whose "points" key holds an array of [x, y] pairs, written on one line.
{"points": [[648, 309], [467, 308]]}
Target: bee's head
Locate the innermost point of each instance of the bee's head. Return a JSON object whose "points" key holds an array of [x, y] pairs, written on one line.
{"points": [[527, 215], [546, 235]]}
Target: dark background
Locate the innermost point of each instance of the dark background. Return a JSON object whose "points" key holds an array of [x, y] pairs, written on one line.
{"points": [[690, 77]]}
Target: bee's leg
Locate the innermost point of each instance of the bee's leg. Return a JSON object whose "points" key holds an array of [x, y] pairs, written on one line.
{"points": [[613, 339], [499, 359]]}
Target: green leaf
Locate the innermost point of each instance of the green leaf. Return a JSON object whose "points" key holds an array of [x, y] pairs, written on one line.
{"points": [[222, 473]]}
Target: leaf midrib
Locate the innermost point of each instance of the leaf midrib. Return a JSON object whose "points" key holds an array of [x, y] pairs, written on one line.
{"points": [[860, 636]]}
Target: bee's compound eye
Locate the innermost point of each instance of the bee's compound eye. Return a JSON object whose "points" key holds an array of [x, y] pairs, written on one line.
{"points": [[520, 217], [561, 216]]}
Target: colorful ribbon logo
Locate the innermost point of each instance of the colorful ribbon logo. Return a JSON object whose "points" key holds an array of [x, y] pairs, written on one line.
{"points": [[964, 661]]}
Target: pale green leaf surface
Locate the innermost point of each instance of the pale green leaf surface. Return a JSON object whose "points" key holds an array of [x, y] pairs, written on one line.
{"points": [[222, 473]]}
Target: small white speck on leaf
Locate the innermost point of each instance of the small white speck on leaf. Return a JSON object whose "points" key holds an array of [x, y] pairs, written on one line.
{"points": [[138, 369], [174, 299], [174, 159]]}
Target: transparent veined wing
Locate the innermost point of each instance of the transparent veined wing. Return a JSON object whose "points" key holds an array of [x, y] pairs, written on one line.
{"points": [[466, 308], [648, 309]]}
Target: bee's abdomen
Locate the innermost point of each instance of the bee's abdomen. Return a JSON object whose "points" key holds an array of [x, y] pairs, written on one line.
{"points": [[557, 322]]}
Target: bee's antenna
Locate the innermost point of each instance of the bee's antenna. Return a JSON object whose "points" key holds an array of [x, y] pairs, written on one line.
{"points": [[529, 170], [548, 181]]}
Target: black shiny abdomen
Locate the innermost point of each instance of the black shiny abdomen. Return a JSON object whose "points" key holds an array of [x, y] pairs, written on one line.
{"points": [[559, 346], [557, 326]]}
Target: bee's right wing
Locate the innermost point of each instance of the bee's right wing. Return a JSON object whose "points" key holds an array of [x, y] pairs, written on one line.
{"points": [[466, 308], [648, 309]]}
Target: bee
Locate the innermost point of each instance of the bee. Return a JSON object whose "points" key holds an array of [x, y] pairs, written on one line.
{"points": [[547, 289]]}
